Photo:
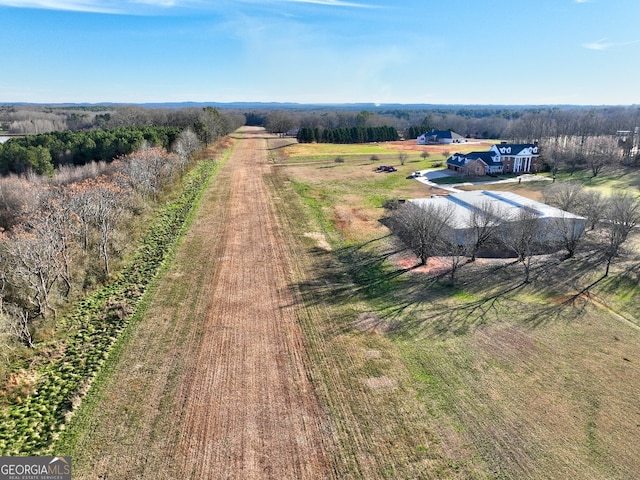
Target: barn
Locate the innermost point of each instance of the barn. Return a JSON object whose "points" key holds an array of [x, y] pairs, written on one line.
{"points": [[439, 136], [462, 209]]}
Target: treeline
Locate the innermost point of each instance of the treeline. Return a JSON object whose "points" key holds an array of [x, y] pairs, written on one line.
{"points": [[511, 123], [347, 135], [33, 120], [516, 124], [414, 131], [43, 153], [61, 235], [594, 153]]}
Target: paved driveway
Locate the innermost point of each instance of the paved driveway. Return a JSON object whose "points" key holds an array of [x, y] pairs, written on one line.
{"points": [[427, 177]]}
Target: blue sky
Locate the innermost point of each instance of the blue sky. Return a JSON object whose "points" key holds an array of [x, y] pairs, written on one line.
{"points": [[583, 52]]}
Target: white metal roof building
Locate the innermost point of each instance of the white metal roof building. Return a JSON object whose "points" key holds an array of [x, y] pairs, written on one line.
{"points": [[505, 206]]}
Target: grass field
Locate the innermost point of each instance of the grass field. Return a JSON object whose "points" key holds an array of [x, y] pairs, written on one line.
{"points": [[608, 181], [287, 150], [486, 378]]}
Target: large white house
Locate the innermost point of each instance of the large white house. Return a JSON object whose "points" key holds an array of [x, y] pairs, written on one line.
{"points": [[439, 136], [517, 158], [505, 207], [501, 158]]}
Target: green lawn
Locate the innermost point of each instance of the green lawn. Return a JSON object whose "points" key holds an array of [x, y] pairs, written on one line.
{"points": [[492, 378]]}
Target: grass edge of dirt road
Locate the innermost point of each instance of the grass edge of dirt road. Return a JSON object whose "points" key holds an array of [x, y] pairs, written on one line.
{"points": [[379, 424], [82, 415]]}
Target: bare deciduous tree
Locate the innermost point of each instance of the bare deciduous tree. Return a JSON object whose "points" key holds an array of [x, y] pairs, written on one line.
{"points": [[279, 122], [80, 202], [593, 207], [147, 171], [601, 152], [484, 222], [623, 215], [18, 197], [109, 205], [15, 322], [185, 146], [58, 224], [564, 195], [520, 234], [35, 267], [568, 232], [455, 254], [421, 228]]}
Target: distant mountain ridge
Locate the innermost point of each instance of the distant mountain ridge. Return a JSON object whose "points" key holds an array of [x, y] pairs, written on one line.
{"points": [[301, 106]]}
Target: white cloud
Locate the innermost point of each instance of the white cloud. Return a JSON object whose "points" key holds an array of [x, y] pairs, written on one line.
{"points": [[598, 45], [331, 3], [140, 6], [69, 5], [602, 44], [98, 6]]}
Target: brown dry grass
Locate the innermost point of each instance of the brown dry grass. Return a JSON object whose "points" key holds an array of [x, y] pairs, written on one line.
{"points": [[535, 383], [552, 402]]}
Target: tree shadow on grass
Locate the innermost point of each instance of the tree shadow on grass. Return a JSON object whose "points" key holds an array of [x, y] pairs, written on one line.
{"points": [[446, 318], [508, 299], [579, 282], [409, 303], [406, 301]]}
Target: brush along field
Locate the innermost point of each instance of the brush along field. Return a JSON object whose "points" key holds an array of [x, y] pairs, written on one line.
{"points": [[292, 338]]}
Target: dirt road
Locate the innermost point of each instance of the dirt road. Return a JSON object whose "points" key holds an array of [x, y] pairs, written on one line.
{"points": [[212, 383], [250, 411]]}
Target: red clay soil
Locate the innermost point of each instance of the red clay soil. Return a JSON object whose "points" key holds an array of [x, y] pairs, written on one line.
{"points": [[250, 411]]}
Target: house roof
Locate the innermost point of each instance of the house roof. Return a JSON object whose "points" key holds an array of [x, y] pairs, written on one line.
{"points": [[460, 159], [443, 134], [487, 157], [514, 148], [456, 159]]}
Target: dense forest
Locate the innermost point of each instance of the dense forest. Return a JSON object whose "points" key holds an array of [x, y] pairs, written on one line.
{"points": [[72, 202], [44, 152], [99, 136]]}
